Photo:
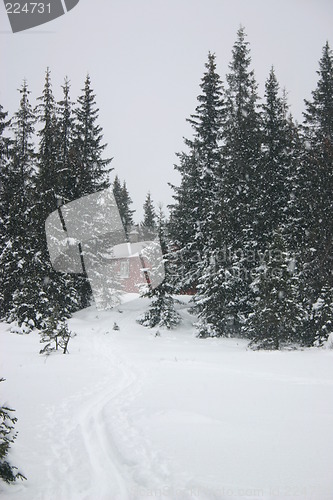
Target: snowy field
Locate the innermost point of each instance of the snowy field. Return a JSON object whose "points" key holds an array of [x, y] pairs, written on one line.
{"points": [[128, 415]]}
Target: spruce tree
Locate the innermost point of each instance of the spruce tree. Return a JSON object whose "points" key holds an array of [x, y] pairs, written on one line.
{"points": [[128, 220], [161, 312], [277, 314], [317, 188], [91, 168], [43, 289], [275, 173], [225, 296], [123, 201], [49, 177], [17, 204], [68, 185], [4, 156], [148, 225], [193, 216], [69, 188]]}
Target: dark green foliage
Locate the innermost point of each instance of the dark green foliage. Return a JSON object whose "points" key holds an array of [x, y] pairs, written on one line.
{"points": [[68, 189], [161, 311], [274, 178], [17, 185], [277, 316], [316, 188], [39, 286], [49, 178], [224, 284], [148, 225], [4, 154], [34, 181], [8, 473], [123, 202], [193, 215], [91, 169], [261, 186]]}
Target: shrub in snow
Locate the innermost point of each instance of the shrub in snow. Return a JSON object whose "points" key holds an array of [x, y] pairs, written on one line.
{"points": [[21, 329], [55, 335], [161, 312], [8, 472], [329, 342]]}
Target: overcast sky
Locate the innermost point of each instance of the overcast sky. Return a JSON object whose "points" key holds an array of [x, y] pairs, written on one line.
{"points": [[146, 59]]}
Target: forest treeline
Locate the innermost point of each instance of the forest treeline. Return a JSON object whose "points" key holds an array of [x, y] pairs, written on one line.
{"points": [[250, 231]]}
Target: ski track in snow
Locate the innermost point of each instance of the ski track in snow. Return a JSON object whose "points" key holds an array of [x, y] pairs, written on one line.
{"points": [[145, 417], [114, 461]]}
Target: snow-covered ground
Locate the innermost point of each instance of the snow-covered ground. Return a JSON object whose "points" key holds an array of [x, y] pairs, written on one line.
{"points": [[130, 415]]}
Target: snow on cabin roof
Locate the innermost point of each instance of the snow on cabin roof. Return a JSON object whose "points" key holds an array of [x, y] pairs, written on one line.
{"points": [[126, 250]]}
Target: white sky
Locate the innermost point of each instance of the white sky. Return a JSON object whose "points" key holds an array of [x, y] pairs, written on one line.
{"points": [[146, 59]]}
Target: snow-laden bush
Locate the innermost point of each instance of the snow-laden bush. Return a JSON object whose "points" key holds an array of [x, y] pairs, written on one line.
{"points": [[161, 313], [329, 342], [22, 329], [8, 472]]}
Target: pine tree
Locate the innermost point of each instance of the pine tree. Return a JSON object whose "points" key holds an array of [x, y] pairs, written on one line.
{"points": [[4, 141], [161, 311], [91, 169], [225, 297], [193, 216], [242, 141], [277, 315], [4, 156], [123, 201], [317, 188], [275, 174], [68, 188], [127, 211], [49, 178], [17, 188], [43, 289], [148, 225]]}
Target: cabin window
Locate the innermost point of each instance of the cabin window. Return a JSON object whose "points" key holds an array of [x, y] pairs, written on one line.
{"points": [[124, 269]]}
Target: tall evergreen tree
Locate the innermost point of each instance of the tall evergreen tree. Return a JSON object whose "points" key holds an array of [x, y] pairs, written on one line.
{"points": [[317, 188], [194, 213], [148, 225], [277, 311], [42, 289], [225, 295], [17, 188], [161, 312], [91, 168], [68, 190], [49, 178], [4, 154], [4, 141], [123, 202], [275, 173]]}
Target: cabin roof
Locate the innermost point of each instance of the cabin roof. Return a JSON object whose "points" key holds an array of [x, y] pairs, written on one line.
{"points": [[127, 250]]}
